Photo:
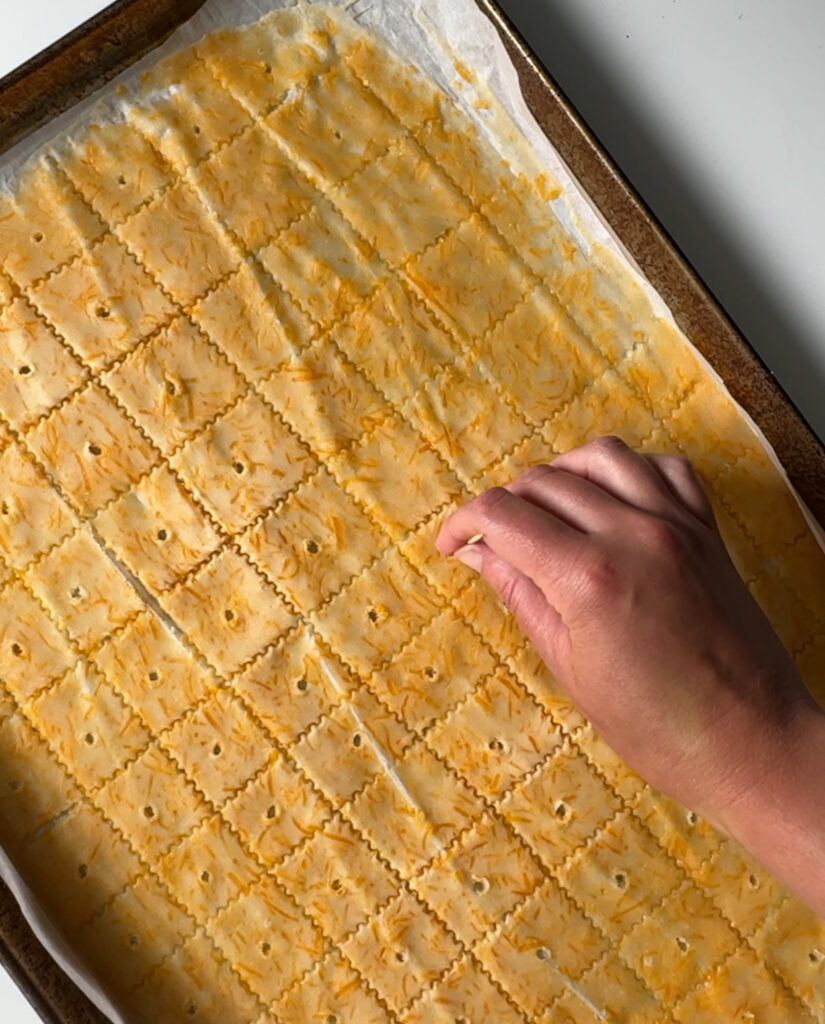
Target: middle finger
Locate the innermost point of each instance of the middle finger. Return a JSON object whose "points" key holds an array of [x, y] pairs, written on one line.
{"points": [[569, 497]]}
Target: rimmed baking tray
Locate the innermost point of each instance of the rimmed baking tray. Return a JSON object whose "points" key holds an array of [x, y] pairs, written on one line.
{"points": [[103, 46]]}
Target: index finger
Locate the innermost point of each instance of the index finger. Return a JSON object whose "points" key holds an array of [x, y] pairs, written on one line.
{"points": [[529, 538]]}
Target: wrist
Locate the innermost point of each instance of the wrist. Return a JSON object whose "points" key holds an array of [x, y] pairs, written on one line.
{"points": [[780, 819]]}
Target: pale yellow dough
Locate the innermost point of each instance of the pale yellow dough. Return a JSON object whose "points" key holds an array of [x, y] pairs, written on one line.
{"points": [[265, 756]]}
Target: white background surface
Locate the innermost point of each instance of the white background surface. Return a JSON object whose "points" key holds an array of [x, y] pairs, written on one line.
{"points": [[713, 109], [14, 1007]]}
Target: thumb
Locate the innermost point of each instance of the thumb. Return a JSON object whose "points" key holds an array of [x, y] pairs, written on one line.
{"points": [[540, 622]]}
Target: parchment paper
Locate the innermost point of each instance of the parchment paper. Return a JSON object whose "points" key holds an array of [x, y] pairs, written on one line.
{"points": [[444, 38]]}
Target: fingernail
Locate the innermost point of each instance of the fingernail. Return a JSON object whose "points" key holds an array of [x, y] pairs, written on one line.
{"points": [[471, 557]]}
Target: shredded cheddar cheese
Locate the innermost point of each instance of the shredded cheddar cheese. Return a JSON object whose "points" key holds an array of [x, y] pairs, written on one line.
{"points": [[265, 756]]}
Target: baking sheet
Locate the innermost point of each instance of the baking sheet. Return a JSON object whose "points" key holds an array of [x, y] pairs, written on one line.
{"points": [[445, 38]]}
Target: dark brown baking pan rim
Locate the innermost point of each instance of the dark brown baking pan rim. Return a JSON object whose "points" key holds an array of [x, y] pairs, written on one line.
{"points": [[124, 31]]}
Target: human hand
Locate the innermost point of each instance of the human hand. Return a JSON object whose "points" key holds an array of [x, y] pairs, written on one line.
{"points": [[613, 566]]}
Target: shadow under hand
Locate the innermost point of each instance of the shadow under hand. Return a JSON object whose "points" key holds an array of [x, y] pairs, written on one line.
{"points": [[744, 289]]}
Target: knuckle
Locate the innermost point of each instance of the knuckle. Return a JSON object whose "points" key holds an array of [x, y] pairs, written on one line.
{"points": [[691, 478], [518, 594], [535, 473], [660, 536], [682, 464], [609, 445], [490, 503], [510, 590], [599, 578], [611, 441]]}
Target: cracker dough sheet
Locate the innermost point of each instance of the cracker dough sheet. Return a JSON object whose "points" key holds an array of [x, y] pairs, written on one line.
{"points": [[265, 756]]}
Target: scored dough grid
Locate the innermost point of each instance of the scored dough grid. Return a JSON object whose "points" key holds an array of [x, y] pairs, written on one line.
{"points": [[232, 538]]}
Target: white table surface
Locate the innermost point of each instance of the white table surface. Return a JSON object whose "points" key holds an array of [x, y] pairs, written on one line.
{"points": [[713, 109]]}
